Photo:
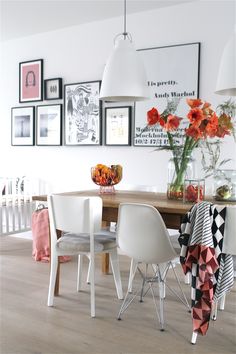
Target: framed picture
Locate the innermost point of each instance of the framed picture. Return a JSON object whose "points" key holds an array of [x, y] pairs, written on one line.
{"points": [[172, 74], [82, 113], [117, 125], [22, 126], [31, 81], [53, 89], [48, 124]]}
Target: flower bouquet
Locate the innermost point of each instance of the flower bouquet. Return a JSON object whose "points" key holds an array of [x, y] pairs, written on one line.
{"points": [[203, 122]]}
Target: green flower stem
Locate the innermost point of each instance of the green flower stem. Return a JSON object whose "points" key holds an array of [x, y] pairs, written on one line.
{"points": [[173, 149], [189, 145]]}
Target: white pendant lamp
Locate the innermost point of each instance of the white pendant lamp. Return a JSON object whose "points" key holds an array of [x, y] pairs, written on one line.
{"points": [[226, 82], [124, 77]]}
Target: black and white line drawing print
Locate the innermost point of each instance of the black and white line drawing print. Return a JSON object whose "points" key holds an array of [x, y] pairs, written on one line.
{"points": [[82, 113]]}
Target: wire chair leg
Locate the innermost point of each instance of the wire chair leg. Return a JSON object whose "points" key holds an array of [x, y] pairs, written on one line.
{"points": [[184, 300], [144, 280]]}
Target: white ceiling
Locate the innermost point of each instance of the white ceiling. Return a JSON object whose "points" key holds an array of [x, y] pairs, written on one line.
{"points": [[23, 18]]}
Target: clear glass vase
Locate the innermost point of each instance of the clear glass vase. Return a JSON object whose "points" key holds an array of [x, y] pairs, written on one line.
{"points": [[194, 190], [181, 166], [225, 185]]}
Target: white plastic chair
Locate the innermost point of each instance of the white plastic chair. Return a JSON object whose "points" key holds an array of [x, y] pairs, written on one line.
{"points": [[142, 235], [174, 234], [79, 218]]}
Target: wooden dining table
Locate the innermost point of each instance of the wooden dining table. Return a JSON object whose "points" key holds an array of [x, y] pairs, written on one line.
{"points": [[172, 211]]}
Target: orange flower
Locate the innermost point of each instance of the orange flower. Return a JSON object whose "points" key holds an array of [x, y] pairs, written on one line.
{"points": [[206, 108], [195, 116], [172, 122], [161, 122], [206, 105], [153, 117], [225, 126], [211, 126], [211, 130], [221, 132], [193, 103], [194, 132]]}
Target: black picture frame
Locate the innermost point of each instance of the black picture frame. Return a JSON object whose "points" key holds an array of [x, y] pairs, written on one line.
{"points": [[172, 72], [31, 81], [49, 125], [22, 126], [53, 89], [118, 125], [82, 113]]}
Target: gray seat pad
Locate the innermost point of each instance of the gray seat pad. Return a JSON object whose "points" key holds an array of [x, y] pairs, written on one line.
{"points": [[103, 240]]}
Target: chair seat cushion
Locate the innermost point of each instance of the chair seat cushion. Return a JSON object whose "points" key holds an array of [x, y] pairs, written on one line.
{"points": [[103, 241]]}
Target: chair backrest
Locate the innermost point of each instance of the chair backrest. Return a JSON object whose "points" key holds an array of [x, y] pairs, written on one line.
{"points": [[142, 234], [75, 214], [229, 244]]}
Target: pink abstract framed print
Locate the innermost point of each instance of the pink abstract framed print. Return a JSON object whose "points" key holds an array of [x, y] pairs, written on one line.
{"points": [[31, 81]]}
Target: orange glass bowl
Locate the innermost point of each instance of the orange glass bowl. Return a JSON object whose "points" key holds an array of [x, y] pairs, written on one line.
{"points": [[106, 177]]}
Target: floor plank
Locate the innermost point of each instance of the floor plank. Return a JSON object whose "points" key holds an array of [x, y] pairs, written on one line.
{"points": [[28, 326]]}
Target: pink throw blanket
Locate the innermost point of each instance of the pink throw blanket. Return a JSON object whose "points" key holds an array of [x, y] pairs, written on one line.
{"points": [[40, 233]]}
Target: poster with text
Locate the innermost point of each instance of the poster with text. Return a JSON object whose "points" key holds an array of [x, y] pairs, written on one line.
{"points": [[172, 74]]}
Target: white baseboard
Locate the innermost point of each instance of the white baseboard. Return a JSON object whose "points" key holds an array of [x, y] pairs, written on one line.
{"points": [[26, 235]]}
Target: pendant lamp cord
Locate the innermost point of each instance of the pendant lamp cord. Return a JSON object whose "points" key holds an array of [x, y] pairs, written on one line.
{"points": [[125, 33]]}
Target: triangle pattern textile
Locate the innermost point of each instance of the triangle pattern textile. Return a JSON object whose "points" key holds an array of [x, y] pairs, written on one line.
{"points": [[201, 241]]}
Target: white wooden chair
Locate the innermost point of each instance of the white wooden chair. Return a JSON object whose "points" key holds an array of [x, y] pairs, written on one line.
{"points": [[79, 218]]}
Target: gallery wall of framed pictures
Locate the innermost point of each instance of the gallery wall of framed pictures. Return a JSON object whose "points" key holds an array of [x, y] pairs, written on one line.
{"points": [[84, 120]]}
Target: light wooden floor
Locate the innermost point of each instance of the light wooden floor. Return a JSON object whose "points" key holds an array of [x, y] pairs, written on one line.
{"points": [[28, 326]]}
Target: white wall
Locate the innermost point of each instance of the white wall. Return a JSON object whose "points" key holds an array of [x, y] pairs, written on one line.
{"points": [[78, 54]]}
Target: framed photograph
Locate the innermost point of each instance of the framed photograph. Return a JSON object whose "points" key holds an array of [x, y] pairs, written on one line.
{"points": [[22, 126], [31, 81], [48, 124], [172, 73], [82, 113], [118, 125], [53, 89]]}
